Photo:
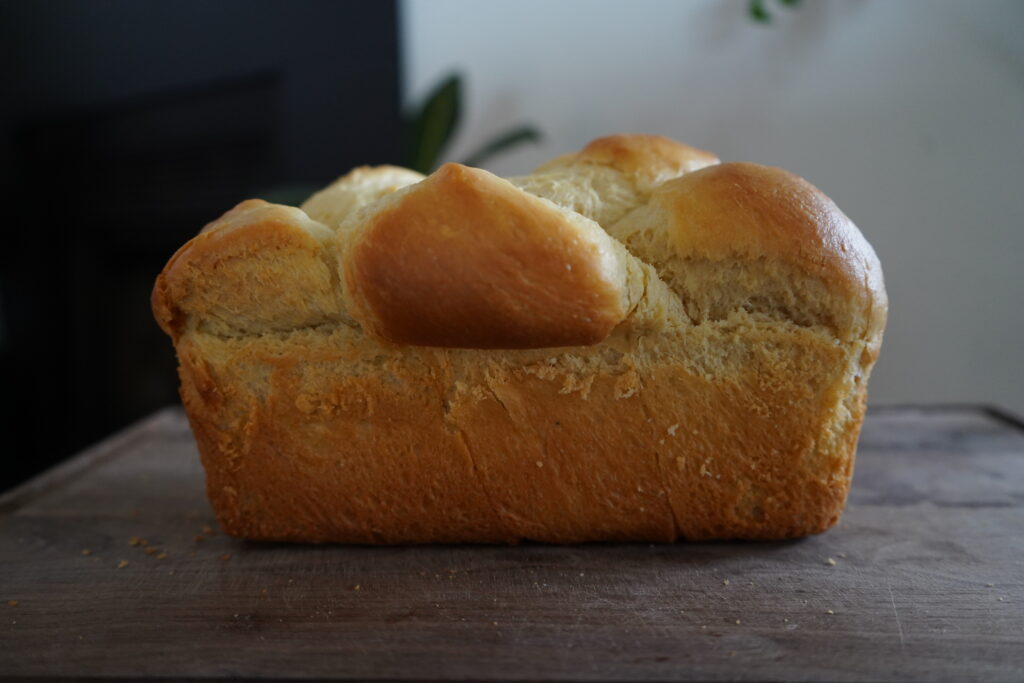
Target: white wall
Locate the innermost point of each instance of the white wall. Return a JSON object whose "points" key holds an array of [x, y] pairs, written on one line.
{"points": [[909, 114]]}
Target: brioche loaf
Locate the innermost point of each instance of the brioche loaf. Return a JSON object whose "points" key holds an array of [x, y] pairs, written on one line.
{"points": [[635, 342]]}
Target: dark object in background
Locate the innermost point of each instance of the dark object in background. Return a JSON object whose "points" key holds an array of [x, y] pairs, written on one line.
{"points": [[127, 127]]}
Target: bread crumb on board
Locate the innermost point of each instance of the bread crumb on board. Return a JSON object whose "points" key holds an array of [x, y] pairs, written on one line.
{"points": [[225, 557], [725, 582], [122, 564], [828, 611], [12, 603], [135, 541], [830, 562], [86, 551]]}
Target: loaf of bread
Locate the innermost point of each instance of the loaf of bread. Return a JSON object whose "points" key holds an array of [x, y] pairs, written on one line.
{"points": [[633, 343]]}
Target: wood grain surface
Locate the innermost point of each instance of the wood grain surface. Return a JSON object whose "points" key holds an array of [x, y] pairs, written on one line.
{"points": [[923, 579]]}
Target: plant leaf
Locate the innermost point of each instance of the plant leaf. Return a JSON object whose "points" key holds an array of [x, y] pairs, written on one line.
{"points": [[429, 131], [758, 12], [500, 143], [791, 3], [289, 195]]}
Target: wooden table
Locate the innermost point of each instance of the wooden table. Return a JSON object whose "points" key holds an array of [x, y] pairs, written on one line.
{"points": [[927, 581]]}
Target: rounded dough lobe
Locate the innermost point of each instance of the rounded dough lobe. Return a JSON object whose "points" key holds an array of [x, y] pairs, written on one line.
{"points": [[649, 160], [613, 175], [466, 260], [258, 268], [744, 237], [356, 188], [772, 215]]}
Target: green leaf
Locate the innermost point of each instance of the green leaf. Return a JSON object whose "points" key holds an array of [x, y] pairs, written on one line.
{"points": [[500, 143], [790, 3], [758, 12], [429, 130], [289, 195]]}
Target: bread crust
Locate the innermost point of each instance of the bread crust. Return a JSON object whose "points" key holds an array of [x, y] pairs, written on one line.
{"points": [[258, 267], [648, 159], [708, 383], [758, 212], [465, 259], [356, 188]]}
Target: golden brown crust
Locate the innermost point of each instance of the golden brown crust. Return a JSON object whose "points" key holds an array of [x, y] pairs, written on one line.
{"points": [[716, 393], [328, 456], [439, 445], [258, 267], [648, 159], [466, 260], [562, 466], [758, 212], [356, 188], [766, 475]]}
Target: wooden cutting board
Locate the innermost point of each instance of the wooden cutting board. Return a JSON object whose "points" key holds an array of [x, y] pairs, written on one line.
{"points": [[110, 566]]}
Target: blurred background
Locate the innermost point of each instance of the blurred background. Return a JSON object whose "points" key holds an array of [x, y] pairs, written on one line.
{"points": [[128, 124]]}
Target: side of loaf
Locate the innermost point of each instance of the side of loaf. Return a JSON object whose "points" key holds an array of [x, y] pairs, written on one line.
{"points": [[635, 342]]}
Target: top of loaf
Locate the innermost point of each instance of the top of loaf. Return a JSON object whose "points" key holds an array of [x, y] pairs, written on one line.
{"points": [[590, 243], [646, 161]]}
